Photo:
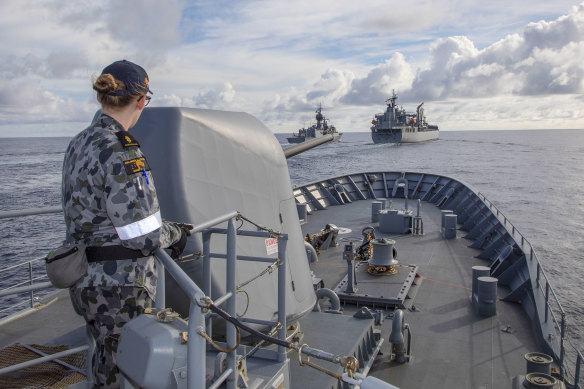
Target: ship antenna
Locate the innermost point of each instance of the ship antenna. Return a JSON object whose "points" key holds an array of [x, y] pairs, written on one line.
{"points": [[393, 98], [319, 117], [319, 108]]}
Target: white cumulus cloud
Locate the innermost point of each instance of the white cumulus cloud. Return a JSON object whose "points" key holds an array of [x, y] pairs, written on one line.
{"points": [[278, 59], [546, 58], [379, 83]]}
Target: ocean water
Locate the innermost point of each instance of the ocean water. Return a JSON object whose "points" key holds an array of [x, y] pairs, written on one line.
{"points": [[536, 178]]}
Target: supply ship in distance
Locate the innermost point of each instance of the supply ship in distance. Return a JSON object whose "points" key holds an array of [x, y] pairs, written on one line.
{"points": [[318, 130], [395, 125]]}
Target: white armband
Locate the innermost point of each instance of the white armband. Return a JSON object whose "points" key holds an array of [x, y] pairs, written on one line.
{"points": [[141, 227]]}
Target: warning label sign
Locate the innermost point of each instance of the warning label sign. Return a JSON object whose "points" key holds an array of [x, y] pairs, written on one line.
{"points": [[271, 246]]}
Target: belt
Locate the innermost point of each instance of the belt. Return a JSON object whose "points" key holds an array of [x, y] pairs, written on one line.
{"points": [[111, 253]]}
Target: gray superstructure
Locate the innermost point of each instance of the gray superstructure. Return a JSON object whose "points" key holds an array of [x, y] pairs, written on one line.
{"points": [[376, 279], [395, 125], [318, 130]]}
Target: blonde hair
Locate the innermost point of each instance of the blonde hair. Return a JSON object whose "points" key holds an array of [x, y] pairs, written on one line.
{"points": [[106, 85]]}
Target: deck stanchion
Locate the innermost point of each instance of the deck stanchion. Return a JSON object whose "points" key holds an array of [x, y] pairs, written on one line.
{"points": [[282, 241], [577, 374], [547, 298], [30, 280], [230, 286], [207, 274], [562, 346], [160, 286], [196, 350]]}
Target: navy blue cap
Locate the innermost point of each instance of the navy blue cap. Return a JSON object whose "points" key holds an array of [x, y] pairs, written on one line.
{"points": [[134, 76]]}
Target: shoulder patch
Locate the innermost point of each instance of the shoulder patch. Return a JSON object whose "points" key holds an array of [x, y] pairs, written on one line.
{"points": [[127, 139], [136, 165]]}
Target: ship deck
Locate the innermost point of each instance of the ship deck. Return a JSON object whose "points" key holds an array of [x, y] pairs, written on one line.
{"points": [[53, 322], [452, 347]]}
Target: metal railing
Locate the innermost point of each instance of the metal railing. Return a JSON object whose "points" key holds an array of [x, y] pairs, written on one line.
{"points": [[199, 325], [553, 306], [199, 300], [31, 283]]}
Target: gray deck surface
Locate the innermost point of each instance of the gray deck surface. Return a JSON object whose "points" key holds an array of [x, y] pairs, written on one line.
{"points": [[54, 323], [452, 347]]}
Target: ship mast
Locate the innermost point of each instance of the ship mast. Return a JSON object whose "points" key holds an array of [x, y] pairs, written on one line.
{"points": [[391, 107], [319, 116], [391, 101]]}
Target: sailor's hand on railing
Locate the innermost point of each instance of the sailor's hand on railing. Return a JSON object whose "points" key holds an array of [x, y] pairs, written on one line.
{"points": [[185, 227], [179, 246]]}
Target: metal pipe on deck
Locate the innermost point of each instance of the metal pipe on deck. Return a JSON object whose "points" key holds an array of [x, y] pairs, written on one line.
{"points": [[188, 285], [30, 212], [28, 288], [47, 358]]}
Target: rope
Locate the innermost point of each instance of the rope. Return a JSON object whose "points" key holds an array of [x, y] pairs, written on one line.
{"points": [[273, 234], [320, 234], [247, 304], [270, 269], [264, 338], [348, 362], [225, 350], [249, 329], [261, 343]]}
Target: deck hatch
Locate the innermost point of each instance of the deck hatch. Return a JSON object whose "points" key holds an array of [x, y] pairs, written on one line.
{"points": [[377, 291]]}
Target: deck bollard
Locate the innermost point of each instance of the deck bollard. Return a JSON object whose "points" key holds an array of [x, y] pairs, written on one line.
{"points": [[444, 212], [539, 381], [449, 229], [376, 206], [538, 363], [487, 296], [302, 212], [478, 271]]}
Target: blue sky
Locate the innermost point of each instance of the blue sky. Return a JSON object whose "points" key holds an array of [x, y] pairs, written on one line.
{"points": [[476, 65]]}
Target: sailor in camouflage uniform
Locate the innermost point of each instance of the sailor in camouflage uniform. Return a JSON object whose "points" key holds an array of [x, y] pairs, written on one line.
{"points": [[110, 204]]}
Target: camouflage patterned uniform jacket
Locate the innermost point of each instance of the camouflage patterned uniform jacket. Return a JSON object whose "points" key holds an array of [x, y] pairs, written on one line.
{"points": [[109, 199]]}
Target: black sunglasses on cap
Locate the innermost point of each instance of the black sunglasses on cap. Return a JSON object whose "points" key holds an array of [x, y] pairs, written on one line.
{"points": [[147, 101]]}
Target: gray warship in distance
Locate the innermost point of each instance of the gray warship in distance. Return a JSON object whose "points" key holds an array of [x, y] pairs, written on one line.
{"points": [[318, 130], [378, 279], [397, 126]]}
